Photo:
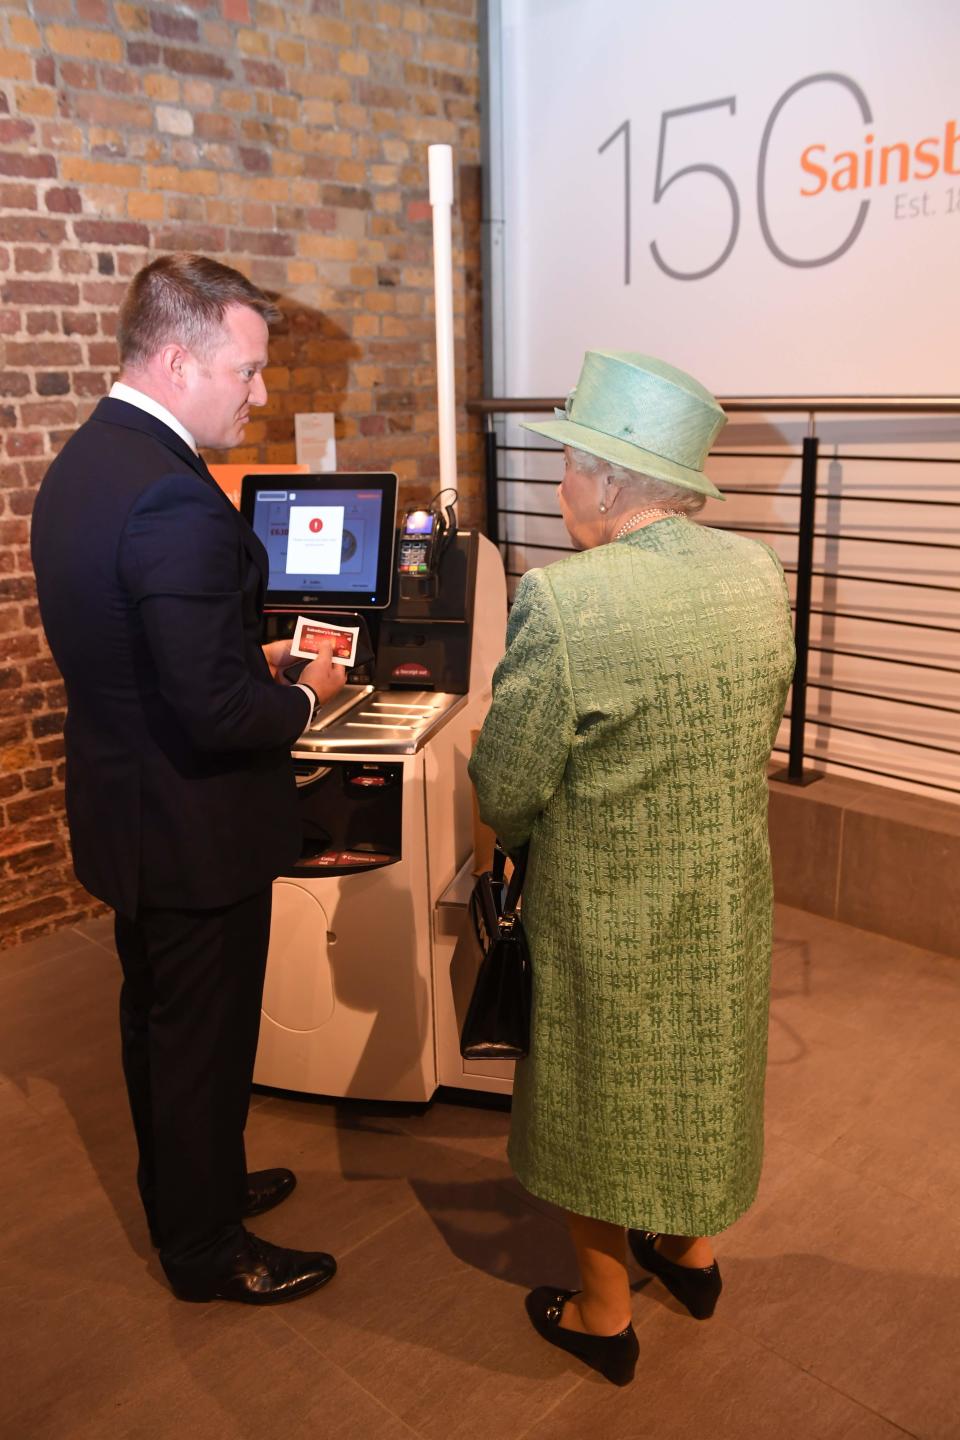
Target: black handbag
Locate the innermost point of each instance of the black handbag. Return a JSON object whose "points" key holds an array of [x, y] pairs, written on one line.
{"points": [[497, 1024]]}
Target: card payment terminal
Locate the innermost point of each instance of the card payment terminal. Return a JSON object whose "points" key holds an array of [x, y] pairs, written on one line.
{"points": [[418, 542]]}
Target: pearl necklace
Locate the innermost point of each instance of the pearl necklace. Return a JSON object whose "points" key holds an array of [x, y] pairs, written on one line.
{"points": [[641, 516]]}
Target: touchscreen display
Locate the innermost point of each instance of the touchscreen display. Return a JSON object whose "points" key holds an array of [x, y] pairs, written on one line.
{"points": [[325, 539]]}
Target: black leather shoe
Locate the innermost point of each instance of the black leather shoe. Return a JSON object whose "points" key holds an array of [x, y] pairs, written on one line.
{"points": [[260, 1274], [267, 1188], [696, 1288], [614, 1356]]}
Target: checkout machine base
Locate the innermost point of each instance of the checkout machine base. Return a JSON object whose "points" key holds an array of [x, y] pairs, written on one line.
{"points": [[359, 1000]]}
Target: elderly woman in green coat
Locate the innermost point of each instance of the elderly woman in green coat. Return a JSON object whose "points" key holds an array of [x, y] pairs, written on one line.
{"points": [[632, 721]]}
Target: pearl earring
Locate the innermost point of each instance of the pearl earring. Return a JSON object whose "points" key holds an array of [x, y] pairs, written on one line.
{"points": [[603, 509]]}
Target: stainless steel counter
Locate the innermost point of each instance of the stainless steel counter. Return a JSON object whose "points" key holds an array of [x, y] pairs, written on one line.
{"points": [[390, 722]]}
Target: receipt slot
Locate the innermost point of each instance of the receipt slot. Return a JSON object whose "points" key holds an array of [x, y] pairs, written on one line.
{"points": [[357, 1000]]}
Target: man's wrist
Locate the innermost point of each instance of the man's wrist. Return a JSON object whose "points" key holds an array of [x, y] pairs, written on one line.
{"points": [[312, 696]]}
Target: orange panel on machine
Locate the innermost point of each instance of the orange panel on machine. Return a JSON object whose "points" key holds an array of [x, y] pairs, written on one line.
{"points": [[230, 477]]}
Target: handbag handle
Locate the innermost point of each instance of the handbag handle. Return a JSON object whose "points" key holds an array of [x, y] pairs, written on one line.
{"points": [[508, 914]]}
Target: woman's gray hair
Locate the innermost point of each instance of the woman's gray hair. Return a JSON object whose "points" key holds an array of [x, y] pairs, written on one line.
{"points": [[644, 488]]}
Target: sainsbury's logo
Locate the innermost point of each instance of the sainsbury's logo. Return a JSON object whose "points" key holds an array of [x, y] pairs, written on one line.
{"points": [[873, 165], [714, 192]]}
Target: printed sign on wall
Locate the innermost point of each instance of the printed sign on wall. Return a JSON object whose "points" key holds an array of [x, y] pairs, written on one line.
{"points": [[766, 196]]}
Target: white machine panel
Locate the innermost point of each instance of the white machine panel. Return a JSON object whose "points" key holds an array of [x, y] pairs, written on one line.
{"points": [[358, 999], [298, 997], [370, 953]]}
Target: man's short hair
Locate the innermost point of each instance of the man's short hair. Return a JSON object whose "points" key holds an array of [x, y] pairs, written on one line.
{"points": [[182, 299]]}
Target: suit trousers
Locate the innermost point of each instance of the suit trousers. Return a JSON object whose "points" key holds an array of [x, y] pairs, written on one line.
{"points": [[189, 1021]]}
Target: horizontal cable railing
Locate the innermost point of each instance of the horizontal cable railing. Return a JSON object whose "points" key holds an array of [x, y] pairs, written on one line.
{"points": [[815, 563]]}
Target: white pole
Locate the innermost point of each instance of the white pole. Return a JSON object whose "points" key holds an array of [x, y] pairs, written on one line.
{"points": [[440, 162]]}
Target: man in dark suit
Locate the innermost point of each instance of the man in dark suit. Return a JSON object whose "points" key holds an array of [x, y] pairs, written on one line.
{"points": [[181, 797]]}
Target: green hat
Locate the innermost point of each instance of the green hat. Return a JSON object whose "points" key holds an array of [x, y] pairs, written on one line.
{"points": [[640, 413]]}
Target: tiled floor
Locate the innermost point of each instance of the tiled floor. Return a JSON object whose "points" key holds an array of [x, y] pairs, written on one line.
{"points": [[840, 1319]]}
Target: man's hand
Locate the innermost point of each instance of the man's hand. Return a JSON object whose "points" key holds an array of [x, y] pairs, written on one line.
{"points": [[277, 656], [324, 678], [322, 675]]}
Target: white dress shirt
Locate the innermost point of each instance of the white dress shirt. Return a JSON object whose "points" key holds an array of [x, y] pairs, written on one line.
{"points": [[119, 391]]}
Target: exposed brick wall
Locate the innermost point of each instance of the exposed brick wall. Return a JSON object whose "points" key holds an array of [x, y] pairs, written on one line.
{"points": [[288, 139]]}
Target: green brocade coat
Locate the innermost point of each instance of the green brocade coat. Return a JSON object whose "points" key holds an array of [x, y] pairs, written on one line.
{"points": [[631, 726]]}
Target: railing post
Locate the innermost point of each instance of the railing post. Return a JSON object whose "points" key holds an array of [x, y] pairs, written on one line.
{"points": [[490, 470], [794, 772]]}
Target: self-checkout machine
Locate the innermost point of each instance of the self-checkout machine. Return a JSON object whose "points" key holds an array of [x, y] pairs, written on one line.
{"points": [[358, 998]]}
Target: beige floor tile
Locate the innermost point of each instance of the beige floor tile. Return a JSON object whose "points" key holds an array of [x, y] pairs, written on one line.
{"points": [[82, 1105], [860, 1287], [39, 952], [83, 1243], [850, 1027], [242, 1374], [909, 1139], [59, 1008], [60, 1050], [83, 1093], [838, 1320], [823, 1076], [45, 1173], [99, 929], [70, 1355], [475, 1129], [429, 1315], [354, 1177], [901, 995], [706, 1382]]}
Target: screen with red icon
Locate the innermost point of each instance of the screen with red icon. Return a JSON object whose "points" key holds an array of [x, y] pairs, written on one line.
{"points": [[329, 538]]}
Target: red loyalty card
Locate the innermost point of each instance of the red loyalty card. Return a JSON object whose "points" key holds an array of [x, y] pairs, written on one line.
{"points": [[310, 634]]}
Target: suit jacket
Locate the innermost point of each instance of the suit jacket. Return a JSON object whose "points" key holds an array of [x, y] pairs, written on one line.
{"points": [[180, 786]]}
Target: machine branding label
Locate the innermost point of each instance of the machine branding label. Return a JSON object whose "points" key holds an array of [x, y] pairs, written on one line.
{"points": [[339, 859]]}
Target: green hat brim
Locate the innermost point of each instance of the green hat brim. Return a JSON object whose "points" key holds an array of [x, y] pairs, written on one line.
{"points": [[621, 452]]}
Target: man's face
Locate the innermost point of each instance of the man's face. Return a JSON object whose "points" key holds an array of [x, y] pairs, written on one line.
{"points": [[222, 384]]}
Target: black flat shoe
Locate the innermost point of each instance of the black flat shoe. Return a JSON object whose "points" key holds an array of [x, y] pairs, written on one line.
{"points": [[696, 1288], [267, 1188], [259, 1274], [615, 1356]]}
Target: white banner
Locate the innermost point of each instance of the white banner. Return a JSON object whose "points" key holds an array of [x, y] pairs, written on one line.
{"points": [[765, 195]]}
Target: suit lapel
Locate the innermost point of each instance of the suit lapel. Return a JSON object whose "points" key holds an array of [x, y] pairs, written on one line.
{"points": [[131, 417]]}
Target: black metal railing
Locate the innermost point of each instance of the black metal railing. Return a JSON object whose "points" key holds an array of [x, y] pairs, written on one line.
{"points": [[805, 569]]}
